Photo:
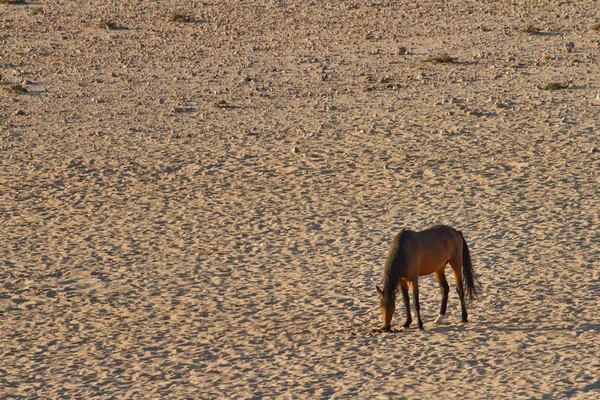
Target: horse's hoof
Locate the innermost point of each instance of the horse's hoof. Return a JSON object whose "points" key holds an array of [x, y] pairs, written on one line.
{"points": [[440, 319]]}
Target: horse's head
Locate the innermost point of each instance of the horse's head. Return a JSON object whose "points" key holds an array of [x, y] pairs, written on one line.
{"points": [[387, 303]]}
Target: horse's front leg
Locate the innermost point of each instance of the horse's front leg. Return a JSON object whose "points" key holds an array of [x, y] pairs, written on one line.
{"points": [[415, 286], [404, 290]]}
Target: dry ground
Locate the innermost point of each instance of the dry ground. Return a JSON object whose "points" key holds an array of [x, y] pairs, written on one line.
{"points": [[202, 209]]}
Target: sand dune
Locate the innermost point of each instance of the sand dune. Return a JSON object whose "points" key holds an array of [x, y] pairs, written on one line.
{"points": [[202, 209]]}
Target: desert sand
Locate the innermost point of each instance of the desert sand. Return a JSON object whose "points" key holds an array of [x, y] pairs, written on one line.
{"points": [[196, 198]]}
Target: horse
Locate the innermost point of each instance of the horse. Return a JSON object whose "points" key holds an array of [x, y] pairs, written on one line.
{"points": [[413, 254]]}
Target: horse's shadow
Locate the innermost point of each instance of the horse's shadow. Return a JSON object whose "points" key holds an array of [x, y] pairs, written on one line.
{"points": [[526, 328], [477, 328]]}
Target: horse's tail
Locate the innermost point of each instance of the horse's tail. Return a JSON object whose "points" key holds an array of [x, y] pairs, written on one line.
{"points": [[470, 282]]}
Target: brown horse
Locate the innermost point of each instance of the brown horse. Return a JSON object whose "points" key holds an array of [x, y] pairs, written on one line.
{"points": [[413, 254]]}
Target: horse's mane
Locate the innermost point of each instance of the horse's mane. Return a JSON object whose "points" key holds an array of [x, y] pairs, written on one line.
{"points": [[395, 262]]}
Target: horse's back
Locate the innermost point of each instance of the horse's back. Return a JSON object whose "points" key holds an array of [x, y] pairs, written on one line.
{"points": [[434, 247], [441, 228], [443, 233]]}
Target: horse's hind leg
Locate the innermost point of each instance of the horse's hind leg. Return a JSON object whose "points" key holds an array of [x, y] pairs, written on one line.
{"points": [[456, 265], [415, 286], [440, 275], [404, 290]]}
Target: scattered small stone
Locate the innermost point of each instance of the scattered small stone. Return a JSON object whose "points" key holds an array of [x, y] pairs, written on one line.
{"points": [[529, 29], [180, 17], [440, 59], [569, 47], [20, 112], [295, 150], [177, 110], [402, 51], [17, 89], [555, 86], [221, 104], [108, 25]]}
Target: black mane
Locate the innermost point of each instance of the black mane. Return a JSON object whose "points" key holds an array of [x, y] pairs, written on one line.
{"points": [[392, 270]]}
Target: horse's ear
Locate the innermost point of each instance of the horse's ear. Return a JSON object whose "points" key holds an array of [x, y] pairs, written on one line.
{"points": [[379, 291]]}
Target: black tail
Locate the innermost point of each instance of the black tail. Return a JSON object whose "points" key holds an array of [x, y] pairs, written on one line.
{"points": [[470, 282]]}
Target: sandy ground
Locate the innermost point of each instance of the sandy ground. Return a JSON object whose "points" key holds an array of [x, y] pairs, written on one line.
{"points": [[202, 209]]}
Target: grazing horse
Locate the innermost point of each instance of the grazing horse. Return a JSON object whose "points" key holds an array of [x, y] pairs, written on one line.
{"points": [[413, 254]]}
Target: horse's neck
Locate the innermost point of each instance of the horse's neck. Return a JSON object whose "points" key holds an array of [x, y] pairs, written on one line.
{"points": [[391, 279]]}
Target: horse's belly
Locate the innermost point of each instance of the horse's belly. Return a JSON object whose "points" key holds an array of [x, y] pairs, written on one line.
{"points": [[431, 270], [429, 265]]}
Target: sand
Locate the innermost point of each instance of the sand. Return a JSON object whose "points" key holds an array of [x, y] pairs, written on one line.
{"points": [[202, 209]]}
